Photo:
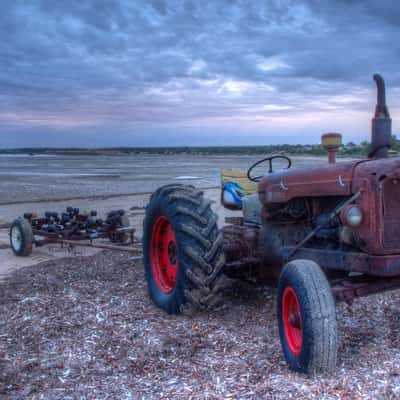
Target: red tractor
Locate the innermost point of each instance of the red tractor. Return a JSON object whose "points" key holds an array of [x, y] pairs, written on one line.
{"points": [[321, 234]]}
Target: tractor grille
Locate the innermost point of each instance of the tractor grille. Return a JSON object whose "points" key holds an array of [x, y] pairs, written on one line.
{"points": [[391, 213]]}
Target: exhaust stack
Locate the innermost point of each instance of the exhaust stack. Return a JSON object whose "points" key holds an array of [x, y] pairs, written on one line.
{"points": [[381, 123]]}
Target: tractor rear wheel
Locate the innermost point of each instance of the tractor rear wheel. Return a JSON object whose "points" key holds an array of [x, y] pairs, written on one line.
{"points": [[307, 318], [21, 237], [182, 250]]}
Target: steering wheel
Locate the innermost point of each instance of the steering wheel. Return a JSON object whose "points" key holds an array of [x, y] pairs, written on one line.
{"points": [[269, 159]]}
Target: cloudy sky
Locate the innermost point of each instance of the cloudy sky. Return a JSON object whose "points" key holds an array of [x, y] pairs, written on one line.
{"points": [[159, 72]]}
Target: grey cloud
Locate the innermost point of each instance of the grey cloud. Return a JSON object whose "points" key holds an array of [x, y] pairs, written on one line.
{"points": [[171, 62]]}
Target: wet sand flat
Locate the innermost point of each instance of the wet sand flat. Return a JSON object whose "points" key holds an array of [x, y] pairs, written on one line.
{"points": [[39, 178]]}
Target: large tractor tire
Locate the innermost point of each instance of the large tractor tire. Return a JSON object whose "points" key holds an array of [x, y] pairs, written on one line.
{"points": [[21, 237], [307, 318], [182, 250]]}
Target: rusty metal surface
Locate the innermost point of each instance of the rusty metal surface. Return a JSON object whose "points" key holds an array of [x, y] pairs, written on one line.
{"points": [[358, 286], [384, 266], [378, 201], [235, 245], [314, 232], [325, 180], [379, 232], [244, 243], [381, 124], [42, 238], [243, 249], [122, 248], [391, 214]]}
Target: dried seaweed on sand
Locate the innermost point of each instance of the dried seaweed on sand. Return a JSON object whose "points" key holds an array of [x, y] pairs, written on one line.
{"points": [[84, 327]]}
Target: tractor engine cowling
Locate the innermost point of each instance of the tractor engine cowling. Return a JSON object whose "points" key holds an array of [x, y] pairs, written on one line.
{"points": [[293, 203]]}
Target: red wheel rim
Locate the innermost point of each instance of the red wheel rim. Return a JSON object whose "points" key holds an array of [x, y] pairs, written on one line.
{"points": [[164, 258], [292, 320]]}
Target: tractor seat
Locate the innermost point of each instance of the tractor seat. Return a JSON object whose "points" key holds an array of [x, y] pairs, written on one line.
{"points": [[234, 186]]}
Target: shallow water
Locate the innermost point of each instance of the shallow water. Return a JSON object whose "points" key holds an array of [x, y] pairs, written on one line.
{"points": [[25, 178]]}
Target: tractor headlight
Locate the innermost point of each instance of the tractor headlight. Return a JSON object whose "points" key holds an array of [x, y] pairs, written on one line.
{"points": [[352, 216]]}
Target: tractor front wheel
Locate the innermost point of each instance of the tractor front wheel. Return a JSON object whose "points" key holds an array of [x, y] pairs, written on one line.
{"points": [[307, 318], [182, 250]]}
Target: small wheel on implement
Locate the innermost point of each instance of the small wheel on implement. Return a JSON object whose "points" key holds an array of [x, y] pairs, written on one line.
{"points": [[307, 318], [21, 237], [182, 250]]}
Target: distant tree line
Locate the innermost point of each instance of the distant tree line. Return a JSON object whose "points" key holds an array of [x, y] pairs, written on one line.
{"points": [[346, 150]]}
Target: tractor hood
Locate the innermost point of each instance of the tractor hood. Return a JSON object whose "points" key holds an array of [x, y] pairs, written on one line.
{"points": [[375, 171], [320, 180], [340, 179]]}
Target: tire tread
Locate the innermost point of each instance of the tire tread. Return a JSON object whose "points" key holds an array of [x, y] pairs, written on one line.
{"points": [[319, 309], [200, 246]]}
